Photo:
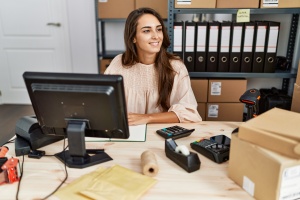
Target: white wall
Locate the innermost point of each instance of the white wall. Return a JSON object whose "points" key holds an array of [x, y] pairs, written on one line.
{"points": [[82, 26]]}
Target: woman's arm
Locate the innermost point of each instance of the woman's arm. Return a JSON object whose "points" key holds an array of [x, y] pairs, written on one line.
{"points": [[165, 117]]}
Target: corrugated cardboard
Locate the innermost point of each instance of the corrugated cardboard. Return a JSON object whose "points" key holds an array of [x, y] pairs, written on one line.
{"points": [[264, 174], [115, 9], [195, 4], [296, 99], [104, 63], [161, 6], [298, 73], [276, 129], [237, 3], [280, 4], [202, 110], [220, 90], [200, 87], [224, 112]]}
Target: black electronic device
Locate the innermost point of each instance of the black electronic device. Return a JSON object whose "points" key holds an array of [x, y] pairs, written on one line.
{"points": [[251, 99], [189, 163], [216, 148], [79, 106], [174, 132], [30, 136]]}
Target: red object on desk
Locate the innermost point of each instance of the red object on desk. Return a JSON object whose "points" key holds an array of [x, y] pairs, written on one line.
{"points": [[10, 170], [3, 151]]}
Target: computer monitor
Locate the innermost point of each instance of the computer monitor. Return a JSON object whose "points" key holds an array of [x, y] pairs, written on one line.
{"points": [[79, 106]]}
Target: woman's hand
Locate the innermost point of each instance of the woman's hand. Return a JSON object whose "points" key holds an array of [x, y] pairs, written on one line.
{"points": [[136, 119]]}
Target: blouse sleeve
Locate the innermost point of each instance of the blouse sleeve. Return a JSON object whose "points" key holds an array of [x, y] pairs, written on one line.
{"points": [[182, 100]]}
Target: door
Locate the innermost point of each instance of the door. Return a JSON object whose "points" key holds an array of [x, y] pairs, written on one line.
{"points": [[33, 37]]}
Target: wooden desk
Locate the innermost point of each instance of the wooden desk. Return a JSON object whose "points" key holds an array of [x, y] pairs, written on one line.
{"points": [[42, 176]]}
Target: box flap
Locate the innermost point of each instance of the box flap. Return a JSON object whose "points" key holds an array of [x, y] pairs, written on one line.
{"points": [[278, 121]]}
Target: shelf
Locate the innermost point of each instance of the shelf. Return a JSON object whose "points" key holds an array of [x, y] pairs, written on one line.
{"points": [[277, 74], [234, 11], [110, 54]]}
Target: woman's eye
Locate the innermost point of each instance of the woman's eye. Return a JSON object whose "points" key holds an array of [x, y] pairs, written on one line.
{"points": [[146, 31], [159, 29]]}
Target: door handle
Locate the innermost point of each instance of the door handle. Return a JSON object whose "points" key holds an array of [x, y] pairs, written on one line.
{"points": [[54, 24]]}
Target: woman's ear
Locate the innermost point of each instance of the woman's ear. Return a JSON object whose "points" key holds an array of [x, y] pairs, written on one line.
{"points": [[134, 40]]}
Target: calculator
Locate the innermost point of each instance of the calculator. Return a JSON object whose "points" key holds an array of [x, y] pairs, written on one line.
{"points": [[216, 148], [174, 132]]}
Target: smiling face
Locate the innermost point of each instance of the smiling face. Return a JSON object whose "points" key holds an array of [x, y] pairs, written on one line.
{"points": [[149, 36]]}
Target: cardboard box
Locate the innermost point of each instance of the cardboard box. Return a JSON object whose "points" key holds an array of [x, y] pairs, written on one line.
{"points": [[200, 87], [202, 110], [298, 73], [227, 90], [280, 4], [224, 112], [161, 6], [104, 63], [277, 130], [296, 99], [237, 3], [195, 3], [264, 174], [115, 9]]}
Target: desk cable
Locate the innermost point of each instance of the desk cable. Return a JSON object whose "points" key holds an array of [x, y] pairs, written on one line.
{"points": [[65, 165], [21, 174]]}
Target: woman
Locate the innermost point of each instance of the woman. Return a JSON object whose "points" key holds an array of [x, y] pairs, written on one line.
{"points": [[157, 84]]}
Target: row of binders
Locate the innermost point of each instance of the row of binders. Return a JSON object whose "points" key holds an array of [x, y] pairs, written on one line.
{"points": [[227, 46]]}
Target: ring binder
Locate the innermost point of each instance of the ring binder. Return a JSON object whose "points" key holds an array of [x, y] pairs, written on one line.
{"points": [[201, 46]]}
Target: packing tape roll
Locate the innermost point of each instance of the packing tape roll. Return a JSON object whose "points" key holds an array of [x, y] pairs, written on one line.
{"points": [[149, 163], [183, 150]]}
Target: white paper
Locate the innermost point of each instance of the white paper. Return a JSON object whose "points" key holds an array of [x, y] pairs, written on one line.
{"points": [[136, 134]]}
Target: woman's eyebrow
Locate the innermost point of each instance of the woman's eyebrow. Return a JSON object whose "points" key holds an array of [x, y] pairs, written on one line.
{"points": [[150, 26]]}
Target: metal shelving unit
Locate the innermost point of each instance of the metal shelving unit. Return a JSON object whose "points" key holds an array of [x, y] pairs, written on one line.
{"points": [[293, 43], [105, 53]]}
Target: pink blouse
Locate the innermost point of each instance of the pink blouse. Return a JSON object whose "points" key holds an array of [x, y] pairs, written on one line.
{"points": [[141, 91]]}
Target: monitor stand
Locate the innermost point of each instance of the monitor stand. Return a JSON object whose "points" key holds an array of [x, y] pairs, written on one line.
{"points": [[78, 156]]}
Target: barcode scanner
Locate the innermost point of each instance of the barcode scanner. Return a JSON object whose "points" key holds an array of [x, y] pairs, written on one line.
{"points": [[251, 98]]}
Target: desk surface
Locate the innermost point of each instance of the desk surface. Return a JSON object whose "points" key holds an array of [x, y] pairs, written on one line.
{"points": [[42, 176]]}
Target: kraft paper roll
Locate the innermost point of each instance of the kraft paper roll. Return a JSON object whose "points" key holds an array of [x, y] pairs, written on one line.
{"points": [[149, 163]]}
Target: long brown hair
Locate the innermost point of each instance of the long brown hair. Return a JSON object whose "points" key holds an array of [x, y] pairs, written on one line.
{"points": [[162, 62]]}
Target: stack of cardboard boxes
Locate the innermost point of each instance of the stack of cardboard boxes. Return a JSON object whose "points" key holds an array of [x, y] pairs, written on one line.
{"points": [[218, 99], [200, 87], [296, 94], [265, 155], [119, 9]]}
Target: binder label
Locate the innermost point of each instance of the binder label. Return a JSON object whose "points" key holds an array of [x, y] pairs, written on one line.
{"points": [[273, 35], [237, 39], [190, 39], [225, 38], [260, 39], [201, 41], [215, 88], [213, 39], [177, 38], [213, 110], [248, 40]]}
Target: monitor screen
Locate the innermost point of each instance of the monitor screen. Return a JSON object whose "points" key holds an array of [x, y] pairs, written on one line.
{"points": [[78, 106]]}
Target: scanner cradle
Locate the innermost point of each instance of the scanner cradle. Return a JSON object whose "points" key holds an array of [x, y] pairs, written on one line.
{"points": [[29, 135], [189, 163]]}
